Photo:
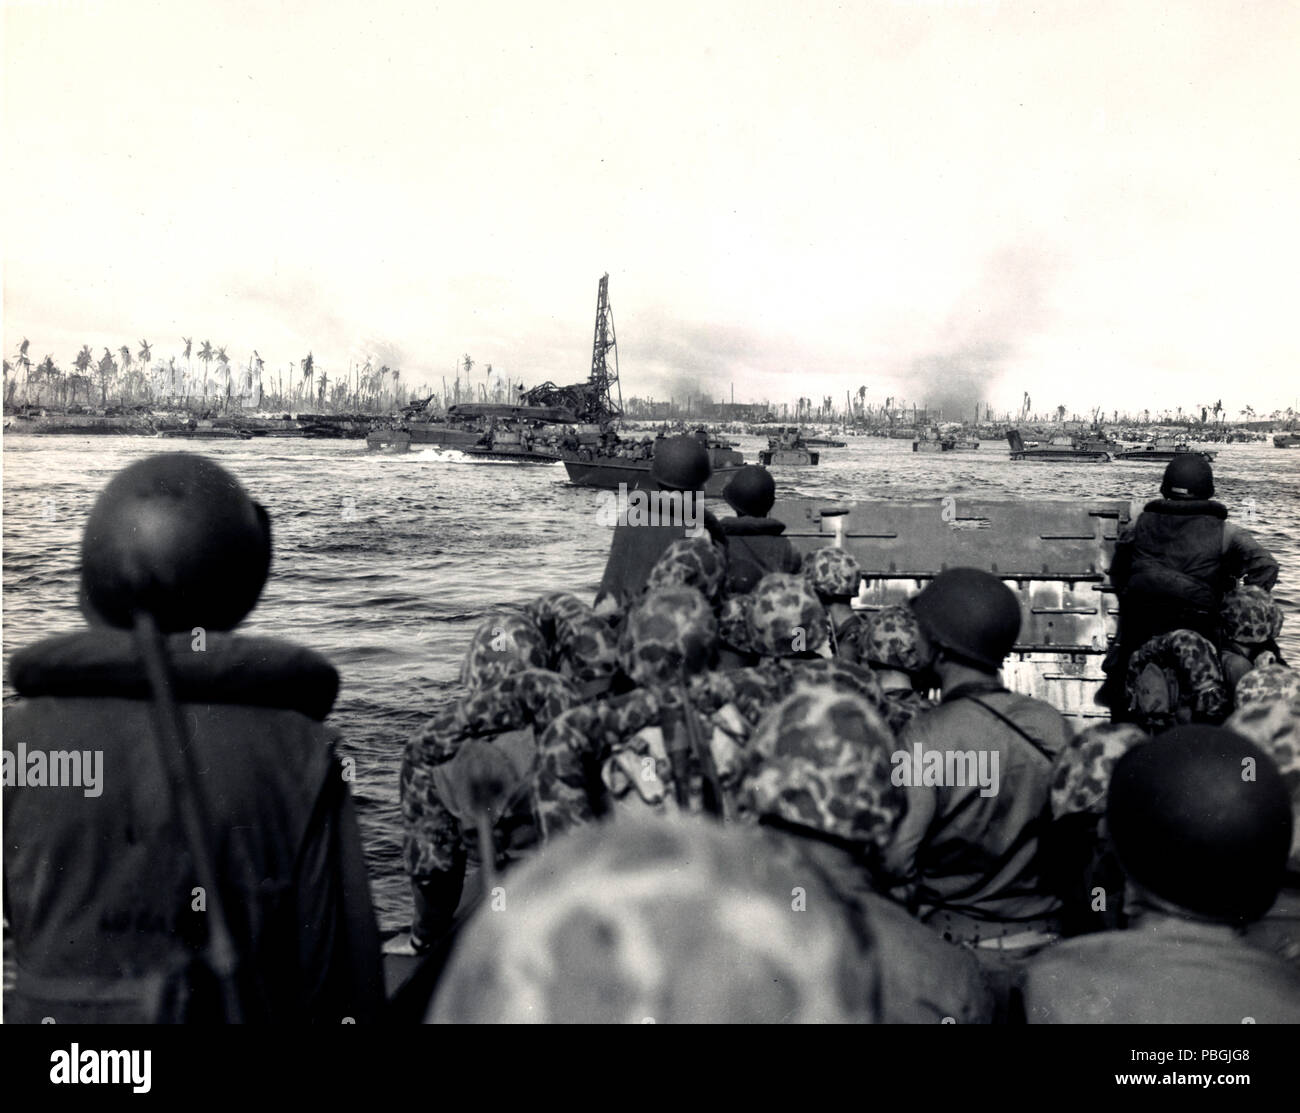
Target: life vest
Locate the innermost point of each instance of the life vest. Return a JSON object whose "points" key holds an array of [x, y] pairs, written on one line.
{"points": [[111, 935], [1178, 554]]}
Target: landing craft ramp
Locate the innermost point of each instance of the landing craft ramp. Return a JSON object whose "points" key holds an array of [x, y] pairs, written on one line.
{"points": [[1053, 553]]}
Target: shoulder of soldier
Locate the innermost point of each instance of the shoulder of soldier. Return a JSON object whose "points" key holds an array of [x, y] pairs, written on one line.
{"points": [[932, 726], [1052, 728], [1232, 531]]}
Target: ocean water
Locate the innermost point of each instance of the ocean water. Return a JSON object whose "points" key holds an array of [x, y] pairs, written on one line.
{"points": [[386, 563]]}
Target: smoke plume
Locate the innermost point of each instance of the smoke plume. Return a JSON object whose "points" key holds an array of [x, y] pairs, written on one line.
{"points": [[982, 335]]}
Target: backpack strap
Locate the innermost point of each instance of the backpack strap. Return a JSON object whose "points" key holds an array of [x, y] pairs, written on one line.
{"points": [[1014, 726]]}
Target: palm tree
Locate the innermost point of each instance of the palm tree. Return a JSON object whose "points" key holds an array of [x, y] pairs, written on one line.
{"points": [[49, 372], [84, 360], [23, 361], [145, 355], [308, 370], [223, 368], [189, 363], [107, 370], [80, 384], [862, 399], [205, 355]]}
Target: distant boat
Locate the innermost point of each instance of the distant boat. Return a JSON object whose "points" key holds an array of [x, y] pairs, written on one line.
{"points": [[931, 440], [787, 449], [207, 434], [465, 426], [587, 469], [1286, 440], [1161, 452], [1062, 449]]}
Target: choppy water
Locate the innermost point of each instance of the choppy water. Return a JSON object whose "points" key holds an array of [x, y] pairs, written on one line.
{"points": [[385, 563]]}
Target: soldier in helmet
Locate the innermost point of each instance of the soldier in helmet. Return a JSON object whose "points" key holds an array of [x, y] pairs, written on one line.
{"points": [[1273, 724], [966, 854], [691, 562], [471, 764], [647, 746], [681, 465], [820, 777], [835, 575], [662, 921], [1174, 564], [122, 930], [1079, 861], [1175, 678], [1204, 849], [1250, 622], [890, 646], [782, 630], [754, 542]]}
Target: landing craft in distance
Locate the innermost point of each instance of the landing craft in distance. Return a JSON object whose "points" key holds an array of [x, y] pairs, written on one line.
{"points": [[1061, 449]]}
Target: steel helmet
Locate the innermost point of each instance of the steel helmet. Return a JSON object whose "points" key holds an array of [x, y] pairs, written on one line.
{"points": [[970, 612], [1188, 476], [1201, 818], [681, 464], [751, 491], [176, 536]]}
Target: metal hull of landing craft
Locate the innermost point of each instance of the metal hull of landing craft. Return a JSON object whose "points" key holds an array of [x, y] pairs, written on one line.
{"points": [[207, 434], [1060, 450], [787, 458], [1053, 553], [418, 435], [509, 454], [1154, 455], [1063, 456], [609, 474]]}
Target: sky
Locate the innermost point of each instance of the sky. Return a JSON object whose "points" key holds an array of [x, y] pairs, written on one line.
{"points": [[945, 201]]}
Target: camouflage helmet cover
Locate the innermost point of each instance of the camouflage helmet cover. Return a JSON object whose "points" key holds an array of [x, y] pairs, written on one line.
{"points": [[505, 642], [822, 760], [786, 617], [663, 920], [733, 623], [893, 639], [669, 631], [1081, 772], [586, 648], [1192, 675], [1250, 615], [689, 562], [549, 609], [1267, 682], [832, 572]]}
